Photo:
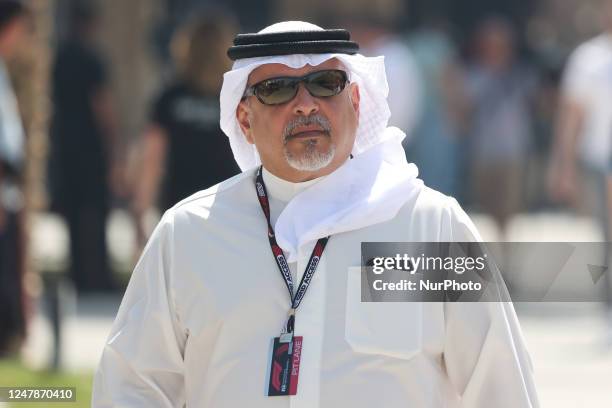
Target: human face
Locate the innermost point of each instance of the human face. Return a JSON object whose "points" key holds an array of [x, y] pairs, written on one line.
{"points": [[13, 33], [496, 45], [307, 137]]}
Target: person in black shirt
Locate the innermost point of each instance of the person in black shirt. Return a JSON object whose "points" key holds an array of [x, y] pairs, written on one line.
{"points": [[83, 148], [184, 131], [13, 24]]}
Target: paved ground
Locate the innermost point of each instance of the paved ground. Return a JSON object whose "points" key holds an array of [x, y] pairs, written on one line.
{"points": [[573, 363], [573, 366]]}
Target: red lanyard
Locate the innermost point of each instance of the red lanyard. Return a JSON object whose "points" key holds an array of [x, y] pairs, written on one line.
{"points": [[280, 259]]}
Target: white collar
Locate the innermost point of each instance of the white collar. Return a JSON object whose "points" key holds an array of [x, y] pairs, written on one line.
{"points": [[369, 189], [284, 190]]}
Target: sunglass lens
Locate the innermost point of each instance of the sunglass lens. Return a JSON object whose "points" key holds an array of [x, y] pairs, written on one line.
{"points": [[326, 83], [276, 91]]}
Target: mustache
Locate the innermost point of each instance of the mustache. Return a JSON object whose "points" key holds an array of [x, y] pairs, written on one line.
{"points": [[315, 119]]}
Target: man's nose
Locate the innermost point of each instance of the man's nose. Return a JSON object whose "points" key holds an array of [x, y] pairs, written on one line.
{"points": [[304, 103]]}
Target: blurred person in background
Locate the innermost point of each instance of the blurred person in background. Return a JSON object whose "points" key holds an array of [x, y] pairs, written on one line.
{"points": [[376, 36], [13, 25], [544, 115], [501, 92], [183, 136], [583, 140], [434, 147], [84, 150], [583, 136]]}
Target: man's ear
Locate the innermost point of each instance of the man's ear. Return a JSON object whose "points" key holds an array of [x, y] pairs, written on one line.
{"points": [[243, 112], [355, 98]]}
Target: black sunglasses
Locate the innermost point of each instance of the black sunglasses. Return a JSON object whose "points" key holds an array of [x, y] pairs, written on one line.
{"points": [[320, 84]]}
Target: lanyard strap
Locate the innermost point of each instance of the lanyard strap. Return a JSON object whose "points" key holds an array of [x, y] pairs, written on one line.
{"points": [[279, 257]]}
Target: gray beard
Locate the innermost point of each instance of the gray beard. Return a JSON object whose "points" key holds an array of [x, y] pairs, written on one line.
{"points": [[311, 159]]}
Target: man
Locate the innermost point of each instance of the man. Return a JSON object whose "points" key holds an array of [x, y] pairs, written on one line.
{"points": [[500, 91], [378, 35], [13, 26], [583, 139], [206, 298], [84, 150]]}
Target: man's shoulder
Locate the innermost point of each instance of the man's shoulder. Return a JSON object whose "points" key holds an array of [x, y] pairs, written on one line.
{"points": [[228, 206], [601, 43], [430, 200], [227, 189], [593, 51], [433, 209]]}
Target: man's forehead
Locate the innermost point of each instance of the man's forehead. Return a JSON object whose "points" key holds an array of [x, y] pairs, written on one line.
{"points": [[275, 70]]}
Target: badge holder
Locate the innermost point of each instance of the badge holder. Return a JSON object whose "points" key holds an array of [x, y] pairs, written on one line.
{"points": [[285, 361]]}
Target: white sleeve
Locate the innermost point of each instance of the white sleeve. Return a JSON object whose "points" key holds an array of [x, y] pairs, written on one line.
{"points": [[142, 362], [577, 82], [405, 88], [484, 351]]}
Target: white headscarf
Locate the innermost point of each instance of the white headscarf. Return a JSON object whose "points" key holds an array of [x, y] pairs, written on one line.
{"points": [[367, 190]]}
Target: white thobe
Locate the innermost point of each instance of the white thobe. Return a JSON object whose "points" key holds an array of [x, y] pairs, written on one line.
{"points": [[11, 128], [206, 298]]}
